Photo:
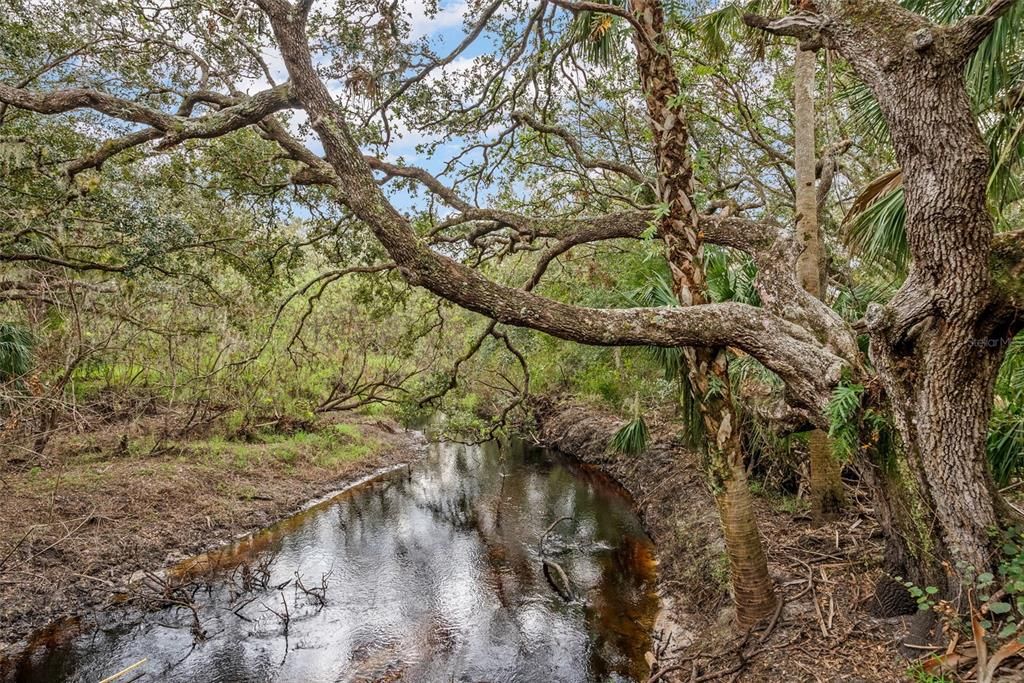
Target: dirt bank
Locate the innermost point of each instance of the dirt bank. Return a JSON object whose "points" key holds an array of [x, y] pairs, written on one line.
{"points": [[101, 506], [826, 575]]}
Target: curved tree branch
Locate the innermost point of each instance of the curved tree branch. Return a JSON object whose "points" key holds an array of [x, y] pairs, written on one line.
{"points": [[173, 129], [582, 158], [790, 351]]}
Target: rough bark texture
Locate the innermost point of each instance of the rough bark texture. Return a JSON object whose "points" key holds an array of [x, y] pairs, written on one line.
{"points": [[930, 344], [753, 589], [930, 347]]}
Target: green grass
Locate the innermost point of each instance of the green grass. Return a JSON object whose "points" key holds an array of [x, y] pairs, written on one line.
{"points": [[781, 502], [917, 674], [328, 448]]}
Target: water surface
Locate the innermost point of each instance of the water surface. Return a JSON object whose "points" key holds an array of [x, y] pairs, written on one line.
{"points": [[432, 572]]}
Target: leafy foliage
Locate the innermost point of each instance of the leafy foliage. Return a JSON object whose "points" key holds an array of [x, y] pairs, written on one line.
{"points": [[1006, 430], [843, 413]]}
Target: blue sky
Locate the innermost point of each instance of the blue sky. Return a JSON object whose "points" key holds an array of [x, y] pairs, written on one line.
{"points": [[445, 30]]}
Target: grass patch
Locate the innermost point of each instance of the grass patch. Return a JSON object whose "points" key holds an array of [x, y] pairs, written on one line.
{"points": [[328, 448], [780, 502], [918, 674]]}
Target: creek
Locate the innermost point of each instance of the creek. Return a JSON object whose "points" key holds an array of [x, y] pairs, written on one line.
{"points": [[451, 569]]}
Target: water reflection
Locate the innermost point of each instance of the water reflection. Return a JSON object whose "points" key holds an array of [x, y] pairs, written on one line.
{"points": [[435, 574]]}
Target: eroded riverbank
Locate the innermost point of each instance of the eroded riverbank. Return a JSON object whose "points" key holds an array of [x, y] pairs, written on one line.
{"points": [[824, 576], [113, 503]]}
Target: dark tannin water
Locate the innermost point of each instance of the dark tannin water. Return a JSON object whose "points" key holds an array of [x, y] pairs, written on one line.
{"points": [[433, 573]]}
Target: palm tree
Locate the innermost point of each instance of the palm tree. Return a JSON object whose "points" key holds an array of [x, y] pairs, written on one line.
{"points": [[707, 369], [826, 486], [719, 31]]}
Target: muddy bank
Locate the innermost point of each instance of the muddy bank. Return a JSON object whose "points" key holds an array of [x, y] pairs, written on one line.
{"points": [[75, 527], [825, 576]]}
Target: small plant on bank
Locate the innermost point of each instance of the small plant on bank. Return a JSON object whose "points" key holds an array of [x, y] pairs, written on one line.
{"points": [[995, 604], [918, 674], [925, 597], [634, 436]]}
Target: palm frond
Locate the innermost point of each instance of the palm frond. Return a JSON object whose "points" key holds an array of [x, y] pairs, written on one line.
{"points": [[842, 412], [874, 284], [596, 35], [656, 290], [632, 438], [1005, 444], [15, 351], [721, 29], [879, 234], [730, 276]]}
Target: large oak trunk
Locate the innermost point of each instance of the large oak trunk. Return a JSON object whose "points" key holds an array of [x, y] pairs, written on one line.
{"points": [[932, 346], [941, 403]]}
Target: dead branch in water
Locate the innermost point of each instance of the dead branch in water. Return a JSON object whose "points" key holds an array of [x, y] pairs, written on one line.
{"points": [[544, 536], [565, 589], [285, 618], [318, 594]]}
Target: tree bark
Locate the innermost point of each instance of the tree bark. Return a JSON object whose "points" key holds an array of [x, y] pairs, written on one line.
{"points": [[826, 486], [936, 344]]}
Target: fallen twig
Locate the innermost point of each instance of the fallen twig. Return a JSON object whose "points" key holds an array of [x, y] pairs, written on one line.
{"points": [[125, 670]]}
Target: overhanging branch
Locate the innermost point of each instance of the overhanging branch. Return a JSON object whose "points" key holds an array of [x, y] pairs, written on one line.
{"points": [[795, 355], [804, 26], [173, 129], [974, 29]]}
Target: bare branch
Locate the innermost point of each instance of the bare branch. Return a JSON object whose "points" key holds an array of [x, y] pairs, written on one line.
{"points": [[73, 265], [109, 149], [427, 179], [473, 34], [585, 160]]}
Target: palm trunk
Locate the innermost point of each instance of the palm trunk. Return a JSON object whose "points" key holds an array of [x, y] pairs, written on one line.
{"points": [[753, 591], [826, 486], [708, 368], [752, 588]]}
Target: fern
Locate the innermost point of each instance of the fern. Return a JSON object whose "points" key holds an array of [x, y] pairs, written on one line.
{"points": [[843, 412]]}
